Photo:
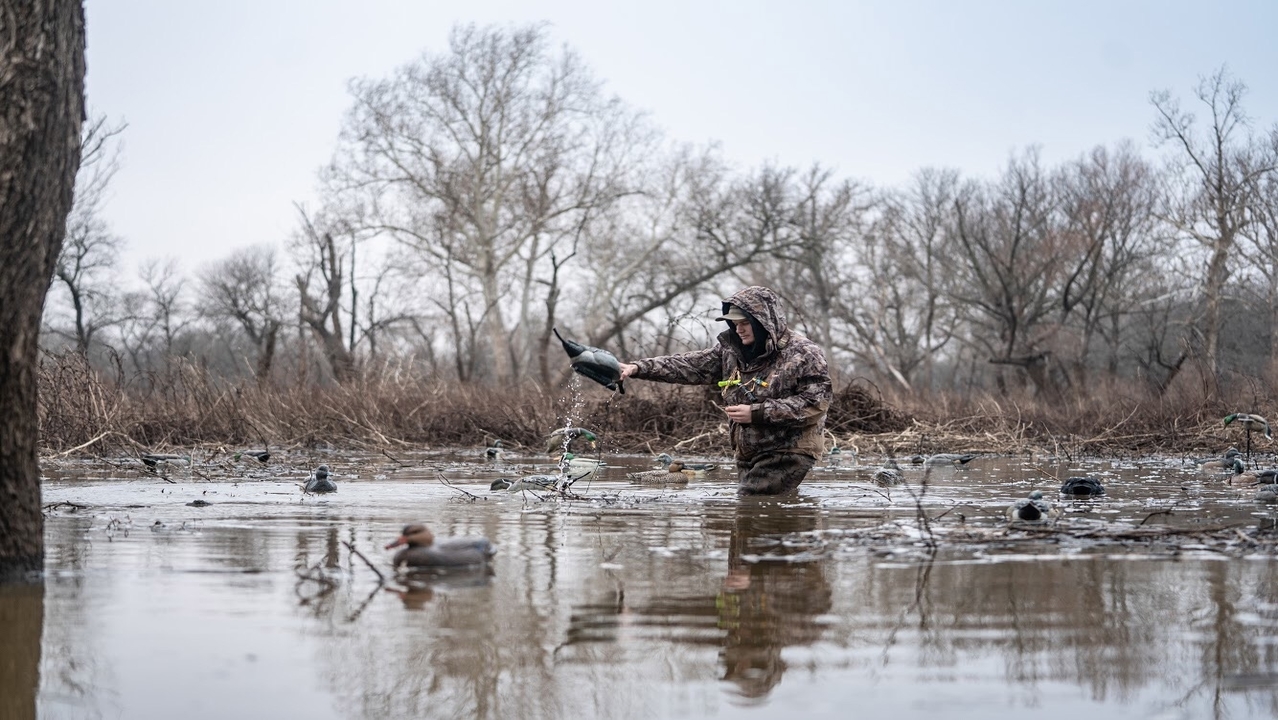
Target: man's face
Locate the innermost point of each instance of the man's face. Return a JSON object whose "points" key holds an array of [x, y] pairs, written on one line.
{"points": [[745, 331]]}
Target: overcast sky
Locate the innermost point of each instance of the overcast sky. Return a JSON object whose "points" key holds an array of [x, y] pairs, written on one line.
{"points": [[232, 106]]}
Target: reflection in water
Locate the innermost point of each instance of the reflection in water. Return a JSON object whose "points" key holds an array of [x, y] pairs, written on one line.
{"points": [[693, 604], [21, 621]]}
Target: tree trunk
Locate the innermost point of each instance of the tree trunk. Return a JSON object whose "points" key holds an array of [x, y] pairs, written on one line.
{"points": [[41, 109]]}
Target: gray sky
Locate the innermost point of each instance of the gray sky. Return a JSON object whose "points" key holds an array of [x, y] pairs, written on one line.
{"points": [[232, 106]]}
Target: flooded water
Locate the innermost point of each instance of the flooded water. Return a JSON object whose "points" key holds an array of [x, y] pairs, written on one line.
{"points": [[645, 602]]}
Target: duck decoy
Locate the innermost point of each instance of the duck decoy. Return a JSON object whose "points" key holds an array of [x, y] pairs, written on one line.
{"points": [[494, 451], [834, 458], [918, 459], [1082, 486], [594, 363], [153, 459], [320, 482], [562, 439], [889, 475], [672, 473], [1254, 477], [1249, 421], [1233, 465], [1032, 509], [535, 483], [665, 460], [424, 551], [951, 459], [1267, 493], [570, 464]]}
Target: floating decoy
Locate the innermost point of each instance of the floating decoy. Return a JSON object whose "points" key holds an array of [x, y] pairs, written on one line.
{"points": [[594, 363], [1082, 486], [320, 482], [568, 436], [153, 459], [1232, 465], [536, 483], [424, 551], [1267, 493], [494, 451], [664, 460], [672, 473], [835, 457], [1249, 421], [1254, 477], [889, 475], [1033, 509], [952, 459], [917, 459]]}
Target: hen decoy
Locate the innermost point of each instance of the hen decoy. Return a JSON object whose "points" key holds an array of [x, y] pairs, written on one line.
{"points": [[320, 482], [1082, 486], [889, 475], [949, 459], [423, 551], [1033, 509]]}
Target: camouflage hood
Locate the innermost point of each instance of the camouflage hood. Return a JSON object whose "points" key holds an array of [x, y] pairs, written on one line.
{"points": [[764, 306]]}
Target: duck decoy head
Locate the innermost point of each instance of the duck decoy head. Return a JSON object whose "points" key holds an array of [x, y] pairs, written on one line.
{"points": [[321, 472], [664, 459], [414, 535]]}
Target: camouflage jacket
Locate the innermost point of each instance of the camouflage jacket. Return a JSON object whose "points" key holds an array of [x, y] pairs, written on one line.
{"points": [[788, 386]]}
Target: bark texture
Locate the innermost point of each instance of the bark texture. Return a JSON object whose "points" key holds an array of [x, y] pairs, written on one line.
{"points": [[41, 111]]}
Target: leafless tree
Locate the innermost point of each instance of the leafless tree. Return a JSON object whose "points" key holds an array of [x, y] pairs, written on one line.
{"points": [[321, 313], [244, 290], [1260, 246], [1213, 174], [90, 250], [41, 109], [152, 319]]}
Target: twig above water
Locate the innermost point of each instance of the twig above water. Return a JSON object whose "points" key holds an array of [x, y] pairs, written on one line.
{"points": [[381, 579], [449, 483]]}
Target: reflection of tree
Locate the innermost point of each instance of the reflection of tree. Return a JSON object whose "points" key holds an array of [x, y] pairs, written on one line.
{"points": [[21, 621]]}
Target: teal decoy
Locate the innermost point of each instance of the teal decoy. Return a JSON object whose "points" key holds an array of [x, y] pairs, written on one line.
{"points": [[1267, 493], [495, 450], [1254, 477], [424, 552], [1231, 466], [672, 473], [594, 363], [889, 475], [1082, 486], [664, 460], [1250, 421], [1033, 510], [320, 482], [566, 439], [536, 483], [949, 459]]}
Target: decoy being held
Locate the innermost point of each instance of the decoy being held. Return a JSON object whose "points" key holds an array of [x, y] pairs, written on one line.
{"points": [[493, 451], [950, 459], [1250, 421], [536, 483], [664, 460], [564, 440], [889, 475], [672, 473], [425, 552], [320, 482], [594, 363], [1033, 509], [1082, 486]]}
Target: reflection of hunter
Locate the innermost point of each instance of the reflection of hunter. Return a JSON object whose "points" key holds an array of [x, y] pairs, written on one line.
{"points": [[775, 385]]}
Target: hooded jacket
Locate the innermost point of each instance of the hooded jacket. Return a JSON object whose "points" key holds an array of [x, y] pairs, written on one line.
{"points": [[787, 385]]}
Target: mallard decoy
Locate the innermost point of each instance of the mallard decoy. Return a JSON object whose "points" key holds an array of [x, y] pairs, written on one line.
{"points": [[1249, 421], [1082, 486], [536, 483], [664, 460], [424, 551], [1033, 509], [951, 459], [672, 473], [320, 482], [562, 439], [494, 451], [889, 475], [594, 363]]}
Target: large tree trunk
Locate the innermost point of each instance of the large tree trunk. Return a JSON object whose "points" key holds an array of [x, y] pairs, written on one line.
{"points": [[41, 109]]}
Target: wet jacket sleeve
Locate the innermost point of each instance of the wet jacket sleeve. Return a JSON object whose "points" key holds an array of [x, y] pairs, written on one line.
{"points": [[811, 396], [699, 367]]}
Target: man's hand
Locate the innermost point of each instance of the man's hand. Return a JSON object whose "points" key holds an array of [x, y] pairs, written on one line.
{"points": [[739, 414], [628, 369]]}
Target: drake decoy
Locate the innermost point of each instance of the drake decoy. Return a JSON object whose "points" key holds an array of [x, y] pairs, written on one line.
{"points": [[889, 475], [320, 482], [1267, 493], [917, 459], [424, 551], [564, 439], [594, 363], [536, 483], [672, 473], [834, 458], [494, 451], [950, 459], [1033, 509], [1254, 477], [1232, 466], [261, 456], [1250, 421], [1082, 486], [664, 460], [572, 465], [153, 459]]}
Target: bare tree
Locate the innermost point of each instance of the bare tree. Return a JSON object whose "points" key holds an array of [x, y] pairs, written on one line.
{"points": [[1213, 182], [90, 250], [243, 290], [41, 108], [322, 313], [1260, 246]]}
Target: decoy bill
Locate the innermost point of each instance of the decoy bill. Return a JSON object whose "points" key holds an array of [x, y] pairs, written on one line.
{"points": [[592, 362]]}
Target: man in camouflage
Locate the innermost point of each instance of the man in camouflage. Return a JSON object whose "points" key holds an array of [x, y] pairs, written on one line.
{"points": [[776, 390]]}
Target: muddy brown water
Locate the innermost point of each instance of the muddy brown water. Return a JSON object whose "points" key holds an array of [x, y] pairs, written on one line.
{"points": [[639, 602]]}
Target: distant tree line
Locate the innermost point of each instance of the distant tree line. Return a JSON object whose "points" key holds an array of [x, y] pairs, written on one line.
{"points": [[480, 196]]}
